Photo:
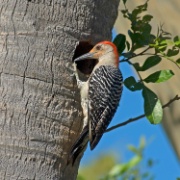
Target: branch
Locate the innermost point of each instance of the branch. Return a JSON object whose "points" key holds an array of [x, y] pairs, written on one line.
{"points": [[135, 55], [148, 54], [176, 98]]}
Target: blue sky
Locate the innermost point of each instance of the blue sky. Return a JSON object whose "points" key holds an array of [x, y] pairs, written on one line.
{"points": [[158, 148]]}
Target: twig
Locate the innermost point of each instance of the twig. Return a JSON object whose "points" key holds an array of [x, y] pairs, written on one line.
{"points": [[135, 55], [141, 53], [176, 98], [148, 54]]}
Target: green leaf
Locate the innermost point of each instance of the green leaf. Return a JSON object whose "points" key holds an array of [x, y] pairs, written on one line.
{"points": [[131, 35], [178, 61], [117, 170], [138, 151], [142, 143], [124, 1], [162, 48], [163, 42], [146, 175], [172, 52], [133, 149], [147, 18], [151, 38], [150, 163], [138, 10], [125, 13], [120, 41], [79, 177], [150, 62], [132, 85], [137, 66], [177, 41], [160, 44], [146, 30], [134, 161], [128, 45], [159, 76], [152, 106], [120, 169]]}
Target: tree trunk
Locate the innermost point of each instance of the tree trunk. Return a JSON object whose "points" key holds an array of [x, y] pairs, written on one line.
{"points": [[40, 112]]}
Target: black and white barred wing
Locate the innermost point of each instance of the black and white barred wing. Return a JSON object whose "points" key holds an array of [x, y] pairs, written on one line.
{"points": [[105, 88]]}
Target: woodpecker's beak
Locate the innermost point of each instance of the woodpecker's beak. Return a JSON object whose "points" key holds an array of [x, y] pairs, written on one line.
{"points": [[90, 55]]}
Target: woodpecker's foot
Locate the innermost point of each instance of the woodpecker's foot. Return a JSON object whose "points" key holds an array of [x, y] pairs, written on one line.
{"points": [[79, 82], [76, 72], [73, 74]]}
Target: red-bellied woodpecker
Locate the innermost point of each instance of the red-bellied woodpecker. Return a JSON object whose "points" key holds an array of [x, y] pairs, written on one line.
{"points": [[100, 95]]}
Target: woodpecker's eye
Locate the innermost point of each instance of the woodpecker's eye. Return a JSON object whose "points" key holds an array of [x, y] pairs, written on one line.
{"points": [[98, 47]]}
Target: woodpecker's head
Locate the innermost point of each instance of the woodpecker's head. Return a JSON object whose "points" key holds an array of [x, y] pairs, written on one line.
{"points": [[104, 52]]}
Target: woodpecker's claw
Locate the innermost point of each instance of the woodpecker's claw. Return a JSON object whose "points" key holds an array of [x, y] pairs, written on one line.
{"points": [[73, 74], [79, 82]]}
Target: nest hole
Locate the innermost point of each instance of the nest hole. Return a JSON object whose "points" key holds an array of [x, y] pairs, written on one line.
{"points": [[87, 65]]}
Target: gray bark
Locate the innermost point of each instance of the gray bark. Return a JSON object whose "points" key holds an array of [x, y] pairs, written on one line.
{"points": [[40, 112]]}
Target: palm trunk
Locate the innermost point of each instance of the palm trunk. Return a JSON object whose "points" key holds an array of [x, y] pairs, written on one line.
{"points": [[40, 112]]}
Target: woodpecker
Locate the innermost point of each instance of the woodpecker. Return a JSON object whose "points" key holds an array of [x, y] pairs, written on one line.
{"points": [[100, 95]]}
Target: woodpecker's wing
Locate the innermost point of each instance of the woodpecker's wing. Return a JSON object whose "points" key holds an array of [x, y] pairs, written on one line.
{"points": [[105, 88]]}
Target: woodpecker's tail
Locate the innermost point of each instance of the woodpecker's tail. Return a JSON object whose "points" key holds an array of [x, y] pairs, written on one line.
{"points": [[79, 145]]}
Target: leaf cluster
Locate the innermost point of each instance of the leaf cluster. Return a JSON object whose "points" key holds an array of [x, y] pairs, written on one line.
{"points": [[106, 168], [163, 46], [132, 168]]}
